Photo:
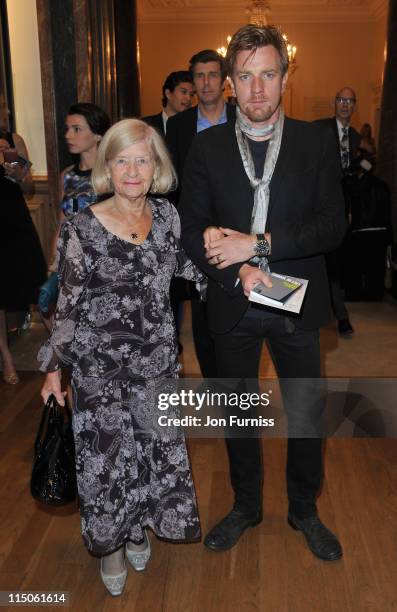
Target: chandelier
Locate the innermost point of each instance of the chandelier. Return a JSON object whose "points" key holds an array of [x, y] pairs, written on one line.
{"points": [[259, 12], [223, 50]]}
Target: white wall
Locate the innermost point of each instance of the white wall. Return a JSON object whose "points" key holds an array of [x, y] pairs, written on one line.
{"points": [[25, 64]]}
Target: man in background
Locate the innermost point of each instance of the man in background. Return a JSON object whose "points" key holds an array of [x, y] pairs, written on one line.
{"points": [[178, 93], [207, 69], [348, 140]]}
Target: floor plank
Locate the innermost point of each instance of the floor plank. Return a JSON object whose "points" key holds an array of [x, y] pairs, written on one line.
{"points": [[271, 568]]}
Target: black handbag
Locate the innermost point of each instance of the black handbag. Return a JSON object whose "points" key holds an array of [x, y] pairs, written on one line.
{"points": [[53, 478]]}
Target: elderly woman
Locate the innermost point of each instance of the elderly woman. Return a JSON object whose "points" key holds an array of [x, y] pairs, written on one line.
{"points": [[114, 326]]}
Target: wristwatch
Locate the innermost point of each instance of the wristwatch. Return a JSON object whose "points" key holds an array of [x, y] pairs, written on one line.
{"points": [[262, 246]]}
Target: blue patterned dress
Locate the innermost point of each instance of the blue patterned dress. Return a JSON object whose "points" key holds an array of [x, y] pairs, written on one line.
{"points": [[114, 327], [78, 192]]}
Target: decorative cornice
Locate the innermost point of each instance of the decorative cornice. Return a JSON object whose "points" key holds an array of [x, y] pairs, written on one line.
{"points": [[283, 11]]}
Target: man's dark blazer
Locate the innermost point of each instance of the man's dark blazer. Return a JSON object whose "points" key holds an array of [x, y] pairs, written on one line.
{"points": [[156, 121], [181, 130], [354, 136], [305, 217]]}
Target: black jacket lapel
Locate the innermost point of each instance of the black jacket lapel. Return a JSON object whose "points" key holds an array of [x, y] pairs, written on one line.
{"points": [[193, 120], [281, 165]]}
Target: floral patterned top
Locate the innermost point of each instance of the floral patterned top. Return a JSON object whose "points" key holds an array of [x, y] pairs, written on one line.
{"points": [[113, 317]]}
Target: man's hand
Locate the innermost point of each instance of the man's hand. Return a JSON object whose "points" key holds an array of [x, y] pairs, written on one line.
{"points": [[233, 247], [251, 276], [210, 234], [52, 386]]}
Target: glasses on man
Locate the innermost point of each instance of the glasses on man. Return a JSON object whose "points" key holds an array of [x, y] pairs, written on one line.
{"points": [[348, 101]]}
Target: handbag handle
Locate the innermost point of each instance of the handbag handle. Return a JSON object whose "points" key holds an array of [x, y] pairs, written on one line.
{"points": [[53, 405]]}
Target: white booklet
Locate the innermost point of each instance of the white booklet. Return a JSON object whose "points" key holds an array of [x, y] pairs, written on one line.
{"points": [[287, 293]]}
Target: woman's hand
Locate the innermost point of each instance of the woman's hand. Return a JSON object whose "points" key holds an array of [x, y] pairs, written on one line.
{"points": [[16, 172], [52, 386], [4, 145]]}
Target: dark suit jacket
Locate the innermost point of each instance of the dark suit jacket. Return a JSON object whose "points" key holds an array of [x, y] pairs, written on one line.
{"points": [[305, 217], [354, 136], [156, 121], [181, 130]]}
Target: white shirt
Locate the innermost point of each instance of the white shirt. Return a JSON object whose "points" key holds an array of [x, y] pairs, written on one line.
{"points": [[165, 119]]}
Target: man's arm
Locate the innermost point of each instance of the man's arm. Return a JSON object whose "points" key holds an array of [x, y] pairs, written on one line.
{"points": [[321, 229], [197, 213]]}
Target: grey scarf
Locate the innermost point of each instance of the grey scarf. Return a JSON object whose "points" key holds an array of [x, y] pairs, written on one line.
{"points": [[261, 186]]}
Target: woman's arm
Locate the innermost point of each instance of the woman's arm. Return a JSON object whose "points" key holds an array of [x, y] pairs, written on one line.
{"points": [[60, 220], [184, 266], [58, 351], [52, 386]]}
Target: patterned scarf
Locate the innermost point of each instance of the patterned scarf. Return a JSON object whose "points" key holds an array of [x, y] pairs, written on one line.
{"points": [[261, 186]]}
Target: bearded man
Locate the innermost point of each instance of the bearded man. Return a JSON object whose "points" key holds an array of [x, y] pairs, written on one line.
{"points": [[265, 192]]}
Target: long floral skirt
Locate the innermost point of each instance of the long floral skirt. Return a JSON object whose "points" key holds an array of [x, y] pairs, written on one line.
{"points": [[130, 474]]}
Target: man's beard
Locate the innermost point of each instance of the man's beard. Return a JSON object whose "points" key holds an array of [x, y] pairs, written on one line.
{"points": [[260, 114]]}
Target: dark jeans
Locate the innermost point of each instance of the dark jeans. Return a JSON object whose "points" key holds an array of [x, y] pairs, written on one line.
{"points": [[336, 289], [296, 355]]}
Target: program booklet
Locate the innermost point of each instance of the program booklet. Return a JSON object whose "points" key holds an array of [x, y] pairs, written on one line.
{"points": [[287, 292]]}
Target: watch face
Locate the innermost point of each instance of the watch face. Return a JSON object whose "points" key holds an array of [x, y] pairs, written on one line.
{"points": [[262, 248]]}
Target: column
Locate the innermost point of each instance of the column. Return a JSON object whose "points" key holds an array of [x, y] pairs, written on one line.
{"points": [[387, 155]]}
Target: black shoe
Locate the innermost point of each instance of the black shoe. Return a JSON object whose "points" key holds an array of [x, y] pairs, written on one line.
{"points": [[321, 541], [229, 530], [345, 328]]}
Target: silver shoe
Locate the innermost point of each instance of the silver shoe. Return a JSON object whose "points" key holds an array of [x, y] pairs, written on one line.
{"points": [[139, 559], [114, 583]]}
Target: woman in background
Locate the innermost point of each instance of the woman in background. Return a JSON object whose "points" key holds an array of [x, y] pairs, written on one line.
{"points": [[85, 125], [368, 143], [23, 267]]}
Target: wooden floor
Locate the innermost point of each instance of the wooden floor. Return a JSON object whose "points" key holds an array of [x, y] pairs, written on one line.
{"points": [[270, 569]]}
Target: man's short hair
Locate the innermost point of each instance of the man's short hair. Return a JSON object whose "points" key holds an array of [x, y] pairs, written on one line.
{"points": [[173, 80], [251, 37], [205, 56], [337, 95]]}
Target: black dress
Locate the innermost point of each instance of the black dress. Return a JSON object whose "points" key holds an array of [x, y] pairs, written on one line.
{"points": [[23, 267], [114, 325]]}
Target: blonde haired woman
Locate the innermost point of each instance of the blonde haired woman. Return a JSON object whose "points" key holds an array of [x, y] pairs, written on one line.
{"points": [[114, 326]]}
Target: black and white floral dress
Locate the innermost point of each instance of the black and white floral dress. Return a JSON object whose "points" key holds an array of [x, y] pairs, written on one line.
{"points": [[114, 327]]}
